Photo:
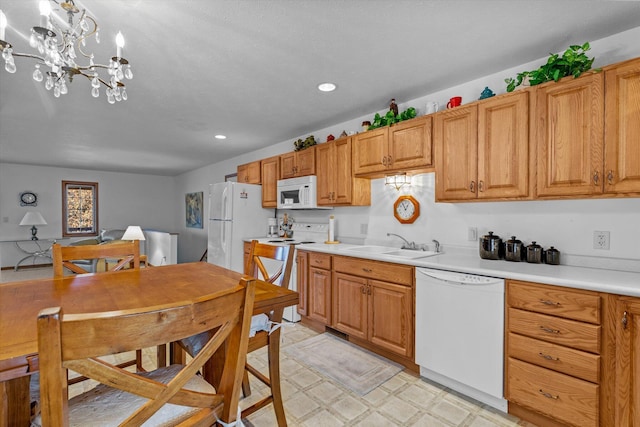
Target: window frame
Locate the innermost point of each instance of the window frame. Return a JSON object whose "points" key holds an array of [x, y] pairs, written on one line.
{"points": [[65, 213]]}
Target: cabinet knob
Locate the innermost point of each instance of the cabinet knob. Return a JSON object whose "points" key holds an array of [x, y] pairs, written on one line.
{"points": [[367, 270], [548, 395], [390, 160], [624, 320], [548, 357], [384, 160], [549, 302], [549, 330], [596, 177], [472, 186], [610, 177], [363, 290], [481, 186]]}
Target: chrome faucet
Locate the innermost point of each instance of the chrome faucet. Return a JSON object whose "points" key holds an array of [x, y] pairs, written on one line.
{"points": [[407, 245], [437, 245]]}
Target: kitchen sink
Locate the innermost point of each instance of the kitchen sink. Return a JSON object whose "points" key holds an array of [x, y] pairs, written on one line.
{"points": [[371, 249], [411, 254], [394, 252]]}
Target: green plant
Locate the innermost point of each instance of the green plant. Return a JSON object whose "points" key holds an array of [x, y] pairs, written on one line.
{"points": [[573, 62], [301, 145], [390, 118]]}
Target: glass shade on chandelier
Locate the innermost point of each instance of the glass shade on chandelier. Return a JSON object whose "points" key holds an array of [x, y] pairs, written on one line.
{"points": [[60, 49]]}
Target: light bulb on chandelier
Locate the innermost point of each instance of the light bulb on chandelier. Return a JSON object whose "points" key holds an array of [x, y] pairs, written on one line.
{"points": [[58, 49]]}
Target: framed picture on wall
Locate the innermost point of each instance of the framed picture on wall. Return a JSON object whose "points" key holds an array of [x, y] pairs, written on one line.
{"points": [[193, 204]]}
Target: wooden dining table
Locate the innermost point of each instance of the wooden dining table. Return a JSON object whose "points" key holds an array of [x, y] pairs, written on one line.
{"points": [[20, 303]]}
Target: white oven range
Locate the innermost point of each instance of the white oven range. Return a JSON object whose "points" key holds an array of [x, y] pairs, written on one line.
{"points": [[303, 233]]}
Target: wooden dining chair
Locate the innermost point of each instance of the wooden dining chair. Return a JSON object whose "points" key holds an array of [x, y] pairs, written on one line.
{"points": [[126, 252], [167, 396], [272, 264]]}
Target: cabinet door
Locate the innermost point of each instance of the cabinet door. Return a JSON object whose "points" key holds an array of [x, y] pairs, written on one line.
{"points": [[410, 144], [343, 182], [250, 173], [456, 144], [350, 305], [622, 128], [570, 116], [306, 161], [628, 362], [302, 274], [326, 172], [391, 317], [503, 147], [287, 165], [270, 174], [370, 151], [319, 297]]}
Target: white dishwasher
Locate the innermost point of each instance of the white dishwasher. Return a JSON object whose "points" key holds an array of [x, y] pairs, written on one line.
{"points": [[460, 333]]}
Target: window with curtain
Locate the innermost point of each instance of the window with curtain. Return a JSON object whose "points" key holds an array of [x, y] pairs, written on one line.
{"points": [[79, 208]]}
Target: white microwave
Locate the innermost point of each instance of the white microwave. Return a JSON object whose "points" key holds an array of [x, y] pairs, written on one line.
{"points": [[298, 193]]}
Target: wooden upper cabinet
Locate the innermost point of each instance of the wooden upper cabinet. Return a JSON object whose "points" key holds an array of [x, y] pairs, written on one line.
{"points": [[569, 116], [482, 150], [456, 146], [503, 147], [410, 144], [250, 173], [404, 146], [336, 183], [270, 175], [622, 128], [298, 163]]}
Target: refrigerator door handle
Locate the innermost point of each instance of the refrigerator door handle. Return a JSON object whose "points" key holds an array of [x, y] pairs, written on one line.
{"points": [[223, 235], [225, 202]]}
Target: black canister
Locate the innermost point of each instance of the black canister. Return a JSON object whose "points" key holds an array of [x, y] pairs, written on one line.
{"points": [[490, 246], [552, 256], [514, 250], [534, 253]]}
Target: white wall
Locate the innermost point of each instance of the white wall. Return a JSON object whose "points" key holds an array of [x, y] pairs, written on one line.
{"points": [[568, 225], [124, 199]]}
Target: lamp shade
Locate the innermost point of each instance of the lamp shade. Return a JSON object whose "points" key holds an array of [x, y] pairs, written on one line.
{"points": [[133, 232], [33, 218]]}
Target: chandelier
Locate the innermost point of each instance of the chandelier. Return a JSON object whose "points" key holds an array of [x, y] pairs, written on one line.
{"points": [[59, 47]]}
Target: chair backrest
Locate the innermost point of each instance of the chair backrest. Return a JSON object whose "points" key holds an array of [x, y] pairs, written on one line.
{"points": [[125, 251], [270, 271], [74, 341]]}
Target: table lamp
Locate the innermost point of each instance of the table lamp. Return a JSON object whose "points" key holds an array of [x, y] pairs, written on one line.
{"points": [[133, 232], [33, 219]]}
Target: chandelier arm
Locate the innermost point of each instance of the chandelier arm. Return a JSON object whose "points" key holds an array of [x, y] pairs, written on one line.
{"points": [[86, 36], [90, 77], [28, 55]]}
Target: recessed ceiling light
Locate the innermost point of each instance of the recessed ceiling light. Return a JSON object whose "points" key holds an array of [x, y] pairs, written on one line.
{"points": [[220, 137], [326, 87]]}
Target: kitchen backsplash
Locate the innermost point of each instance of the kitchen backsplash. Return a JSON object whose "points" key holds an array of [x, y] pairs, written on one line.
{"points": [[568, 225]]}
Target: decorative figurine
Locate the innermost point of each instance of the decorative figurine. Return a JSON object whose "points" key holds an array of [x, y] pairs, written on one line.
{"points": [[330, 138], [486, 93], [393, 107]]}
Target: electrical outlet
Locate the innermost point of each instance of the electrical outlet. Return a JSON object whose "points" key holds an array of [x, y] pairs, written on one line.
{"points": [[601, 240], [472, 234]]}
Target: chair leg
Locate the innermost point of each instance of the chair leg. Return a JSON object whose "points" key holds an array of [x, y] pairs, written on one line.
{"points": [[162, 356], [139, 367], [246, 387], [274, 375]]}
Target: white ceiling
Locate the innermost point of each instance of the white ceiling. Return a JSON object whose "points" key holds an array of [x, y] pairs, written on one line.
{"points": [[249, 69]]}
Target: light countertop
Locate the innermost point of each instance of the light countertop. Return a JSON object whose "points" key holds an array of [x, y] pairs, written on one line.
{"points": [[467, 261]]}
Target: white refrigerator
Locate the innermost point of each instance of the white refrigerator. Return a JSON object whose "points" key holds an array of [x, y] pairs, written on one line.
{"points": [[235, 213]]}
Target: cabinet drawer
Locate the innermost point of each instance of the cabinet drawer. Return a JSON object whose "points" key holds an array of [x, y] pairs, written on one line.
{"points": [[385, 271], [583, 336], [556, 395], [320, 260], [562, 359], [554, 300]]}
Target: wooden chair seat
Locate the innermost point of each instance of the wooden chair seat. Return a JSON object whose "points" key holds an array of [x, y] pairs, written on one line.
{"points": [[173, 395]]}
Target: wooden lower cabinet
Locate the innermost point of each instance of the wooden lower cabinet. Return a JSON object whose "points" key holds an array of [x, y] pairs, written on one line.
{"points": [[627, 362], [302, 281], [559, 354], [319, 295], [369, 306]]}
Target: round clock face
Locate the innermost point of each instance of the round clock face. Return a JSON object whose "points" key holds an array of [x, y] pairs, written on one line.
{"points": [[406, 209], [28, 199]]}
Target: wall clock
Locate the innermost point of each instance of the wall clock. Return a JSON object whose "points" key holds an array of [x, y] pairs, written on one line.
{"points": [[28, 198], [406, 209]]}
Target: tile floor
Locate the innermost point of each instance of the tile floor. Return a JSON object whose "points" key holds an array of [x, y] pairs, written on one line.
{"points": [[314, 400]]}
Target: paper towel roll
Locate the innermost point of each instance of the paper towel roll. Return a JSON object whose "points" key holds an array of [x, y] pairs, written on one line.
{"points": [[332, 225]]}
